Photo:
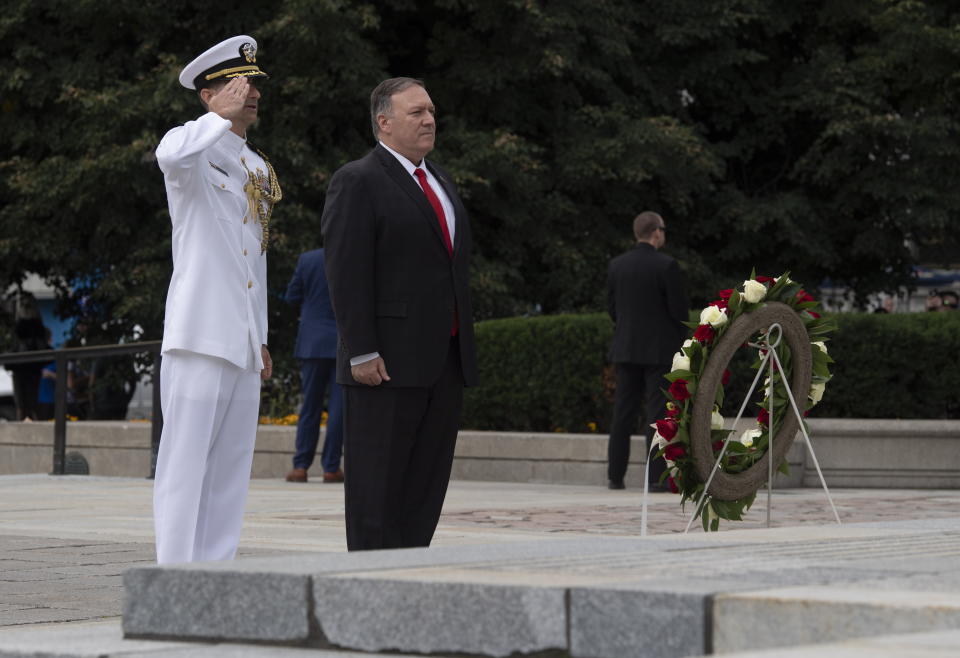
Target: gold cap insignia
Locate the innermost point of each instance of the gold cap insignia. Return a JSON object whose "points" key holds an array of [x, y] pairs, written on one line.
{"points": [[249, 52]]}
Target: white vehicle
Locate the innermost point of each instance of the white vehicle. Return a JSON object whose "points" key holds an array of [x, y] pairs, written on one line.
{"points": [[8, 409]]}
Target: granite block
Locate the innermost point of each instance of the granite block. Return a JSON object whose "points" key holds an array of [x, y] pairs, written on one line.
{"points": [[378, 614], [239, 605], [628, 623]]}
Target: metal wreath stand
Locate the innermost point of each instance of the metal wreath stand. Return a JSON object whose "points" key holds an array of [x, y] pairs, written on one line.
{"points": [[777, 322]]}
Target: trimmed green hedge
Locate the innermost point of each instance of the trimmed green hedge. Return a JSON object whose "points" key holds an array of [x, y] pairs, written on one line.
{"points": [[550, 373]]}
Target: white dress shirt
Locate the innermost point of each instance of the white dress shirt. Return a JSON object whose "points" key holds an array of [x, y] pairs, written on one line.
{"points": [[217, 300]]}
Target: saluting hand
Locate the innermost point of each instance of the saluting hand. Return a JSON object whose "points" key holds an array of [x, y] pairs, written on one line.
{"points": [[371, 373], [228, 102]]}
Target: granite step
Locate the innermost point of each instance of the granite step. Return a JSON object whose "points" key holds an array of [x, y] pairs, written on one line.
{"points": [[661, 596], [105, 640], [933, 644]]}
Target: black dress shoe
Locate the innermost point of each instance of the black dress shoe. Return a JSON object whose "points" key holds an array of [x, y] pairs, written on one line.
{"points": [[616, 484]]}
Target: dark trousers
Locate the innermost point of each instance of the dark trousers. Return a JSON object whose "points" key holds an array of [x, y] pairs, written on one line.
{"points": [[315, 376], [638, 389], [398, 445], [26, 387]]}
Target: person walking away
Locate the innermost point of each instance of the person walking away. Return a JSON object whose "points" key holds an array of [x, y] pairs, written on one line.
{"points": [[646, 301]]}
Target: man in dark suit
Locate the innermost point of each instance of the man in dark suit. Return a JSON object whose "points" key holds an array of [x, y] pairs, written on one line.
{"points": [[316, 349], [646, 300], [398, 255]]}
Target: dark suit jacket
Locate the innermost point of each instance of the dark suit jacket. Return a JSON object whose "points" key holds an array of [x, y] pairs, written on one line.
{"points": [[645, 299], [317, 335], [393, 284]]}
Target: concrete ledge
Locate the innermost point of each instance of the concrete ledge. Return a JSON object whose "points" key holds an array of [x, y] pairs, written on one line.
{"points": [[122, 448], [906, 454], [903, 454]]}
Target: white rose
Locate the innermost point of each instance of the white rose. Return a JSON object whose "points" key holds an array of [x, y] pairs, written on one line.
{"points": [[816, 391], [680, 362], [688, 342], [821, 345], [658, 441], [716, 420], [748, 437], [754, 291], [714, 316]]}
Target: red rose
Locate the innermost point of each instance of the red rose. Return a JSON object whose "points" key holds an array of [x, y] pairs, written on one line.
{"points": [[717, 446], [678, 390], [672, 483], [724, 298], [726, 377], [704, 333], [764, 279], [673, 412], [763, 417], [674, 451], [667, 428], [804, 296]]}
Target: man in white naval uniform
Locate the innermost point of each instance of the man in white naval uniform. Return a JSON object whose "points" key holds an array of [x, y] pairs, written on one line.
{"points": [[220, 194]]}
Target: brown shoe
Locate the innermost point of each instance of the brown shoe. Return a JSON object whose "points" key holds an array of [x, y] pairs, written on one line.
{"points": [[336, 476], [298, 475]]}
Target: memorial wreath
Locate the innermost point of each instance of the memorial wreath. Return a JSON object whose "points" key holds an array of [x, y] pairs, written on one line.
{"points": [[766, 313]]}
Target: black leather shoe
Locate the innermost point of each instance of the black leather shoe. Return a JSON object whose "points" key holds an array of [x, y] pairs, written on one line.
{"points": [[616, 484]]}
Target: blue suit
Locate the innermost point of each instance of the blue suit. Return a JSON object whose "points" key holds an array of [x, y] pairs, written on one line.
{"points": [[316, 349]]}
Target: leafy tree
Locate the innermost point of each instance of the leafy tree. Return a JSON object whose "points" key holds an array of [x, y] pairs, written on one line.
{"points": [[836, 122], [813, 136], [83, 198]]}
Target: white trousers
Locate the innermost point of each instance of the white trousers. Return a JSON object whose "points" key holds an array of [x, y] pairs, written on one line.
{"points": [[210, 410]]}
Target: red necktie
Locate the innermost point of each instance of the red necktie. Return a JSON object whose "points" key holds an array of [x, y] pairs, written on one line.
{"points": [[442, 217], [437, 208]]}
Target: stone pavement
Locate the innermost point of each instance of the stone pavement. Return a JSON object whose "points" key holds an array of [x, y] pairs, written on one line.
{"points": [[64, 542]]}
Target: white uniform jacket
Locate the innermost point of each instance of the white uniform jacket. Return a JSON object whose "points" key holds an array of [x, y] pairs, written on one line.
{"points": [[217, 301]]}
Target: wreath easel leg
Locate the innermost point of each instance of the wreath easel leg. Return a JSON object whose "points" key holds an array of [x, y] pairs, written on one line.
{"points": [[806, 437]]}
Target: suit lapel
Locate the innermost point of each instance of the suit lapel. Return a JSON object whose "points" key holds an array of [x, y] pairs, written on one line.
{"points": [[406, 182]]}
